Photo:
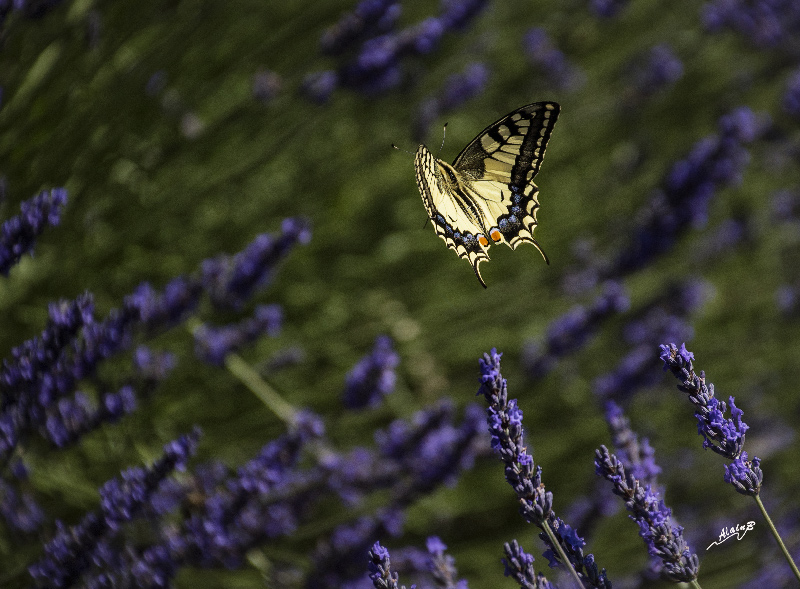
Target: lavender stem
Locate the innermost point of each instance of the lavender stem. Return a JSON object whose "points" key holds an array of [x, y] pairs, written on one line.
{"points": [[777, 536]]}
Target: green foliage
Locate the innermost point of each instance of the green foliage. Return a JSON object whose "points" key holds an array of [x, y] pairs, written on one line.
{"points": [[150, 198]]}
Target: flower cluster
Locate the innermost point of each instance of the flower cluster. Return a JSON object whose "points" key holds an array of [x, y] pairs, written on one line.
{"points": [[664, 318], [791, 97], [370, 59], [373, 377], [535, 503], [212, 344], [725, 436], [18, 234], [369, 18], [380, 571], [458, 88], [519, 565], [608, 8], [657, 69], [682, 201], [74, 550], [442, 566], [663, 539], [573, 329], [551, 61], [766, 23], [638, 456]]}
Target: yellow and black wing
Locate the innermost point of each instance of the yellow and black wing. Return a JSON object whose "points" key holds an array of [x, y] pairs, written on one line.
{"points": [[488, 193]]}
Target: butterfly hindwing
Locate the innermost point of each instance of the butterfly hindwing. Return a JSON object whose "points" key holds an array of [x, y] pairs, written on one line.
{"points": [[488, 192], [458, 230]]}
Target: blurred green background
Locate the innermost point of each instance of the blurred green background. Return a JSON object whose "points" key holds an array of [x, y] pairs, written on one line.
{"points": [[160, 180]]}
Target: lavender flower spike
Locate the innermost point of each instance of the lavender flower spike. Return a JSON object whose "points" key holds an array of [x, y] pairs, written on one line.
{"points": [[505, 427], [536, 504], [18, 234], [723, 436], [663, 539], [373, 377], [380, 571], [745, 475], [442, 566], [519, 565]]}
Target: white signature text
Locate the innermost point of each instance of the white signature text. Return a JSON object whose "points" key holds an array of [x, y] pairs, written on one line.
{"points": [[739, 531]]}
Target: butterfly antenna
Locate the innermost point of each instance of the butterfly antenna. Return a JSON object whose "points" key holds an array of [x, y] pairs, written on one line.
{"points": [[444, 132], [398, 149]]}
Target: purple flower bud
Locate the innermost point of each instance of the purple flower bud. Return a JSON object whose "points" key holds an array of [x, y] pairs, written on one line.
{"points": [[663, 539], [519, 565], [212, 344], [373, 377], [319, 86], [745, 475], [18, 234]]}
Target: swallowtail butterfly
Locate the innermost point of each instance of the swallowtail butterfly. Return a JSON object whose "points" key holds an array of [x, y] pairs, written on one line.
{"points": [[488, 196]]}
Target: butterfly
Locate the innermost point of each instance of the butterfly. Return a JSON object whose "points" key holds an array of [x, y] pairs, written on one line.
{"points": [[488, 193]]}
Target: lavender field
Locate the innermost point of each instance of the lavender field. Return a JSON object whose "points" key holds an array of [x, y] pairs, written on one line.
{"points": [[235, 354]]}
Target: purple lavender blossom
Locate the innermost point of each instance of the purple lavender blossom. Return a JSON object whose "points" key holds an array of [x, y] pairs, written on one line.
{"points": [[745, 475], [18, 234], [379, 567], [765, 24], [162, 310], [235, 513], [785, 205], [414, 458], [663, 539], [505, 428], [318, 86], [152, 366], [458, 88], [373, 377], [442, 566], [369, 18], [72, 418], [230, 280], [725, 436], [266, 85], [519, 565], [536, 504], [791, 97], [456, 14], [659, 68], [572, 330], [212, 344], [71, 551], [376, 65], [19, 509], [729, 234], [664, 318], [638, 457], [607, 8], [552, 62], [714, 162], [787, 299]]}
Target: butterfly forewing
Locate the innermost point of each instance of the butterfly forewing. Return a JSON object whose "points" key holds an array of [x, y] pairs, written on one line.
{"points": [[488, 193]]}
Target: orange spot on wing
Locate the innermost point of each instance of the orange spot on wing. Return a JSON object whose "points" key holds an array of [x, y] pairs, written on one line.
{"points": [[495, 235], [483, 241]]}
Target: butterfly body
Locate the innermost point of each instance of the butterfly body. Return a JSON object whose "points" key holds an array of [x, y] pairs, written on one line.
{"points": [[487, 195]]}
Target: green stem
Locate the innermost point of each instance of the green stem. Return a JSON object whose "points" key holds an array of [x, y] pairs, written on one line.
{"points": [[561, 554], [695, 584], [253, 381], [777, 536]]}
